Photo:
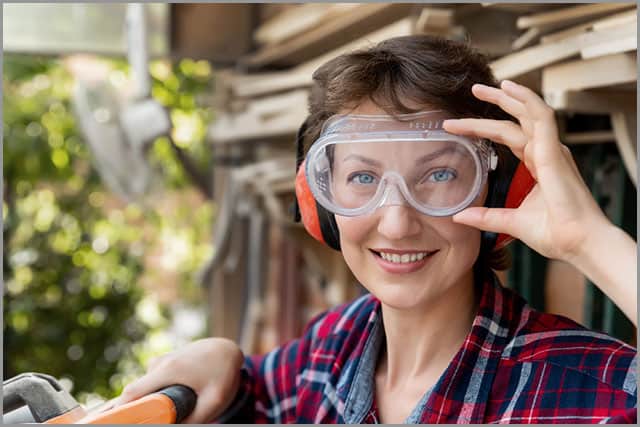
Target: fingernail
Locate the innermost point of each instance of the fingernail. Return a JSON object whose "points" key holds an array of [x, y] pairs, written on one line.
{"points": [[508, 83]]}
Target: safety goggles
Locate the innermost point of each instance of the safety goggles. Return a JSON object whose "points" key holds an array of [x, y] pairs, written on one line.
{"points": [[360, 163]]}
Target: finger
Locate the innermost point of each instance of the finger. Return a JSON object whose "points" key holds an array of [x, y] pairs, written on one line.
{"points": [[501, 131], [141, 387], [497, 220], [500, 98], [535, 106]]}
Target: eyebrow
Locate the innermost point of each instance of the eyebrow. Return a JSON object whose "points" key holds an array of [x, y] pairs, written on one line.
{"points": [[362, 159], [436, 154], [426, 158]]}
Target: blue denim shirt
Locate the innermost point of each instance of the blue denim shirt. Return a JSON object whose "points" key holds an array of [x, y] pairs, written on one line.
{"points": [[359, 401]]}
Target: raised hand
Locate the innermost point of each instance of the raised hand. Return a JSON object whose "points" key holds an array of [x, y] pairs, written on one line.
{"points": [[559, 218]]}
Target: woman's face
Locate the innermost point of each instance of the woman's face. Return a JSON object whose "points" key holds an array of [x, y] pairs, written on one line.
{"points": [[440, 253]]}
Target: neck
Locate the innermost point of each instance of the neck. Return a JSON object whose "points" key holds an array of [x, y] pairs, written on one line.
{"points": [[421, 342]]}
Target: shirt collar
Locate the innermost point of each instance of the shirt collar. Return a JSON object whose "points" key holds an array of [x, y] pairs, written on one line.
{"points": [[464, 385]]}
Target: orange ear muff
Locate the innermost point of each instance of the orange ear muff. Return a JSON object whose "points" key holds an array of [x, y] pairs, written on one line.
{"points": [[522, 182], [319, 223]]}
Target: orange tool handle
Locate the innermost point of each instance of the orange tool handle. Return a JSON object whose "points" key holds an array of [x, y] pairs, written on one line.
{"points": [[167, 406]]}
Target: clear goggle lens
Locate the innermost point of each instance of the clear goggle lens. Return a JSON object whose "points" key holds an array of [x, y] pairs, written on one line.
{"points": [[437, 173]]}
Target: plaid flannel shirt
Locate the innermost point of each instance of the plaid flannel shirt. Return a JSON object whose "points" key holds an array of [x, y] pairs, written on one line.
{"points": [[517, 365]]}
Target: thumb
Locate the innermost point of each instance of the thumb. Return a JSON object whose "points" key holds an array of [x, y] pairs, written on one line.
{"points": [[497, 220]]}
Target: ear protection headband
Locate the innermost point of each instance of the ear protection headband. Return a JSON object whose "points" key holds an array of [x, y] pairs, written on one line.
{"points": [[509, 184]]}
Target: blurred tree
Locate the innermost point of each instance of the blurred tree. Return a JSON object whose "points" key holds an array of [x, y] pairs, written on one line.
{"points": [[72, 307]]}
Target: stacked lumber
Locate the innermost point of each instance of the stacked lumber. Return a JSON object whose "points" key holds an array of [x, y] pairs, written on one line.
{"points": [[587, 57], [580, 57]]}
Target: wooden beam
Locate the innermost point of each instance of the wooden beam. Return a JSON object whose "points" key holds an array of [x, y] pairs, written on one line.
{"points": [[592, 73], [361, 20], [256, 124], [526, 38], [571, 14], [625, 44], [297, 20], [592, 137], [611, 21], [262, 83], [616, 20], [591, 101], [521, 8], [434, 19], [538, 56], [625, 127]]}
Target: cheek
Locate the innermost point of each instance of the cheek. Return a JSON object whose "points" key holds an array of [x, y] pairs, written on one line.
{"points": [[463, 241], [353, 230]]}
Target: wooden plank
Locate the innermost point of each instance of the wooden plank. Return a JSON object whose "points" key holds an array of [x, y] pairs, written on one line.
{"points": [[527, 38], [266, 107], [266, 11], [571, 14], [616, 20], [431, 18], [591, 137], [612, 21], [597, 72], [625, 127], [361, 20], [250, 126], [297, 20], [565, 33], [538, 56], [591, 101], [289, 22], [521, 8], [300, 76], [626, 44]]}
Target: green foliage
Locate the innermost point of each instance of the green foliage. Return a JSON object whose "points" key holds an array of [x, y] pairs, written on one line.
{"points": [[74, 258], [70, 266], [176, 86]]}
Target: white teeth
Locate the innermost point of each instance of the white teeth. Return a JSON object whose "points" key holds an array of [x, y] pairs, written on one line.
{"points": [[404, 258]]}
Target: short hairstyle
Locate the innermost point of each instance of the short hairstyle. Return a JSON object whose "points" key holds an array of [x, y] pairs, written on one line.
{"points": [[430, 71]]}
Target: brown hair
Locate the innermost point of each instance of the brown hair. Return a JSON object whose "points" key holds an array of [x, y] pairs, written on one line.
{"points": [[430, 71]]}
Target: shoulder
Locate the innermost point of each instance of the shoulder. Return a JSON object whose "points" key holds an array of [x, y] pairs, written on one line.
{"points": [[343, 319], [561, 342]]}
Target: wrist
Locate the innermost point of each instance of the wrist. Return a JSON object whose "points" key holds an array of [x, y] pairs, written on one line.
{"points": [[606, 248], [601, 233]]}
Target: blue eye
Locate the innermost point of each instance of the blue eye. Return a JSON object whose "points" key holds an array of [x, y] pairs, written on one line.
{"points": [[362, 178], [442, 175]]}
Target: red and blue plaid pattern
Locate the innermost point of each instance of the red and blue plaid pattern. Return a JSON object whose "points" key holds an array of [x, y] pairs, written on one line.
{"points": [[517, 365]]}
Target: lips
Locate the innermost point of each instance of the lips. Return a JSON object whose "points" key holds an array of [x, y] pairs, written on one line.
{"points": [[401, 261]]}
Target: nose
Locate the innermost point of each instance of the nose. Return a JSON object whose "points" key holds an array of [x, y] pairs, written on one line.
{"points": [[398, 221]]}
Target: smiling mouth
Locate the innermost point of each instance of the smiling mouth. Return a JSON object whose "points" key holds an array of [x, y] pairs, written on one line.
{"points": [[403, 258]]}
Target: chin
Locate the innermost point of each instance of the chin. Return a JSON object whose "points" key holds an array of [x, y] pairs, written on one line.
{"points": [[403, 296]]}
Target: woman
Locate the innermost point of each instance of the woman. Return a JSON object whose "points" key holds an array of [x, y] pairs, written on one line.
{"points": [[437, 340]]}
